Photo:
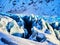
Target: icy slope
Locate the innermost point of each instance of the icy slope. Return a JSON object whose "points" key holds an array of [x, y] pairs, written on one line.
{"points": [[31, 28], [7, 39]]}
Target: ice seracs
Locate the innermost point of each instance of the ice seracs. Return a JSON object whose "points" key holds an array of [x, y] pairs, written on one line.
{"points": [[10, 26], [29, 28]]}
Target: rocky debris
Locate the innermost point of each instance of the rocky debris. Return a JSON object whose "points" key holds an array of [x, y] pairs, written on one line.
{"points": [[29, 27], [39, 7]]}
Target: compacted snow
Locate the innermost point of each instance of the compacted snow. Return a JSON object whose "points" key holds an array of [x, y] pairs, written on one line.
{"points": [[29, 22], [28, 30]]}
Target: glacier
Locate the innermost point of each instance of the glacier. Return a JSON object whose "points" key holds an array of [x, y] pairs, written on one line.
{"points": [[29, 22]]}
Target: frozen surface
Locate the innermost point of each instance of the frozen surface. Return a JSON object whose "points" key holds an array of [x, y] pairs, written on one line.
{"points": [[32, 31], [29, 22]]}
